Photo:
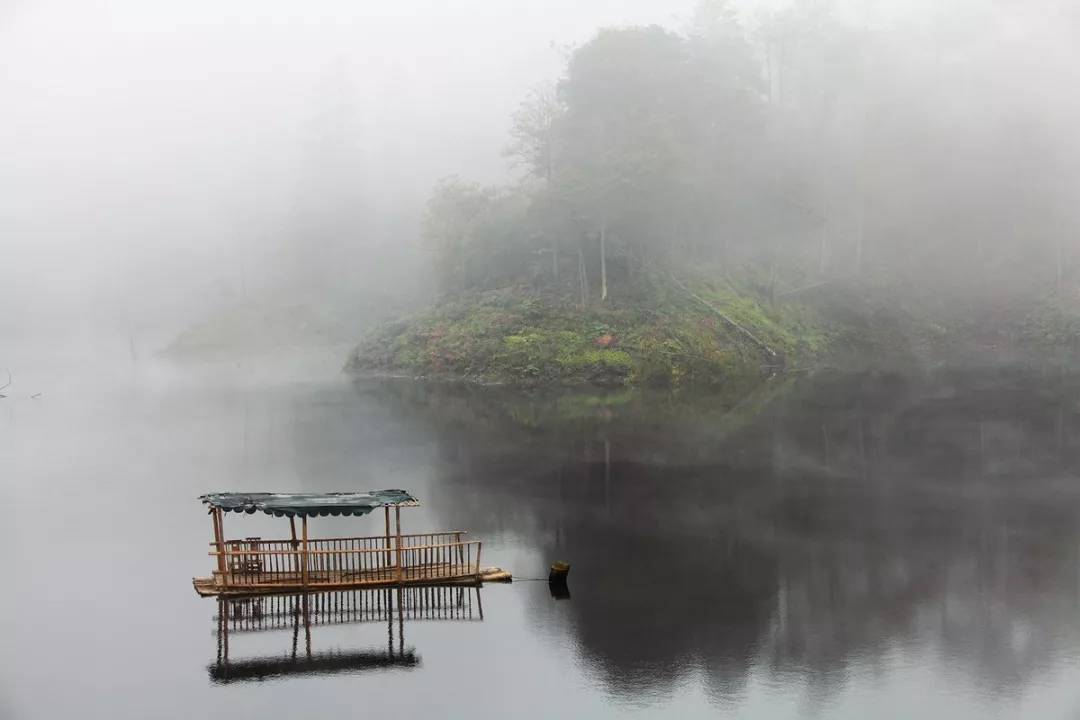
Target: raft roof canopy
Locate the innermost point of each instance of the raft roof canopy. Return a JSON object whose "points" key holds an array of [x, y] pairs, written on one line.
{"points": [[309, 504]]}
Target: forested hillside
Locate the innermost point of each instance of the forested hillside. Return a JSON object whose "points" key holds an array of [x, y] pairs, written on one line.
{"points": [[823, 180]]}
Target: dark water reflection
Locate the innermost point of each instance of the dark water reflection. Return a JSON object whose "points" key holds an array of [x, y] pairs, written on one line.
{"points": [[834, 546], [810, 529], [298, 614]]}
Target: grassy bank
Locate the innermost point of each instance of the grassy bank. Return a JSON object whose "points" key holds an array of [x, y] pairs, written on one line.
{"points": [[705, 327], [659, 332]]}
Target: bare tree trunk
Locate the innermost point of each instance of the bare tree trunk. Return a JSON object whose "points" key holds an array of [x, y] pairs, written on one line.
{"points": [[603, 262], [864, 131], [583, 277], [860, 229], [823, 181], [821, 250], [859, 235], [547, 157], [555, 263], [769, 69], [1060, 264]]}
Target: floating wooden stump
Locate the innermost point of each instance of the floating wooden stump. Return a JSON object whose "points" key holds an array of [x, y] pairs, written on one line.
{"points": [[557, 574]]}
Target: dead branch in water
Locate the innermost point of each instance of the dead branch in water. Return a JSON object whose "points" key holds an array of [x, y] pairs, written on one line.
{"points": [[5, 385]]}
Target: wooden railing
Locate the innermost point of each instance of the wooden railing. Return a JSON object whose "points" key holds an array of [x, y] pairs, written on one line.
{"points": [[341, 562]]}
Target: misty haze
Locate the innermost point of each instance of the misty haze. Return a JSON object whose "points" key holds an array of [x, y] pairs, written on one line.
{"points": [[625, 358]]}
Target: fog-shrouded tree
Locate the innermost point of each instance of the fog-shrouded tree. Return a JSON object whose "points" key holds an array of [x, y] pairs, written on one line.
{"points": [[474, 233], [813, 144], [647, 142], [533, 132]]}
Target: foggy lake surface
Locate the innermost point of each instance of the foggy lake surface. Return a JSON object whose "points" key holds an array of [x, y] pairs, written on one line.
{"points": [[208, 208], [880, 545]]}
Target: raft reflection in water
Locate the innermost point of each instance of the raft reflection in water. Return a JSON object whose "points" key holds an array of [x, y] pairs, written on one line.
{"points": [[301, 612]]}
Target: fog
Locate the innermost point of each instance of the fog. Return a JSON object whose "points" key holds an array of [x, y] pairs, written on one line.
{"points": [[162, 161], [763, 314], [161, 158]]}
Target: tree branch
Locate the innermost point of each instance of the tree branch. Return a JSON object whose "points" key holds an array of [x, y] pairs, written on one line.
{"points": [[760, 343]]}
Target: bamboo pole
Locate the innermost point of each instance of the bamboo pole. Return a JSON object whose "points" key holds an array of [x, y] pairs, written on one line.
{"points": [[386, 512], [316, 553], [304, 571], [296, 561], [397, 514], [219, 541], [447, 533]]}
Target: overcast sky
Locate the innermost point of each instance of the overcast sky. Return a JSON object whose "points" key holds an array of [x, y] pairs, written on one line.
{"points": [[140, 139], [146, 143]]}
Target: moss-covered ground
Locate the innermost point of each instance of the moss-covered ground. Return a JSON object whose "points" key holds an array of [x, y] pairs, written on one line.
{"points": [[655, 333], [709, 329]]}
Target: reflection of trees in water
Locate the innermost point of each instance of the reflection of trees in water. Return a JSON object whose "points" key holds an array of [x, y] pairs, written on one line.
{"points": [[819, 527]]}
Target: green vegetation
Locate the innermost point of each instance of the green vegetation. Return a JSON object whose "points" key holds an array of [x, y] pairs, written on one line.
{"points": [[696, 332], [657, 335], [696, 207]]}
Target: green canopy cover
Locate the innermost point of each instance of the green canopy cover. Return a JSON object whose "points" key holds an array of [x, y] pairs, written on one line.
{"points": [[308, 504]]}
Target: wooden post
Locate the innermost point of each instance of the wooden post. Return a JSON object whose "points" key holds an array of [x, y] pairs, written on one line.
{"points": [[397, 514], [304, 571], [292, 531], [219, 542], [386, 512], [558, 572]]}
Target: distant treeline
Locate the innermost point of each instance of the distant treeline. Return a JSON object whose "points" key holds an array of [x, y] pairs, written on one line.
{"points": [[934, 160]]}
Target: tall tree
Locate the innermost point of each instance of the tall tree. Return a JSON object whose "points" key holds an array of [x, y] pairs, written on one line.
{"points": [[532, 132]]}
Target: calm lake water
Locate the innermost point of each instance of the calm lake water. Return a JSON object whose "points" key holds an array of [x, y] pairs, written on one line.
{"points": [[835, 546]]}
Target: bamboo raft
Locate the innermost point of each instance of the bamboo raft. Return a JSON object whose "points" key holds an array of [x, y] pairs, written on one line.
{"points": [[255, 566]]}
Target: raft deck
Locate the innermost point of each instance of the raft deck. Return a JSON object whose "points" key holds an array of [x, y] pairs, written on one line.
{"points": [[254, 566]]}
